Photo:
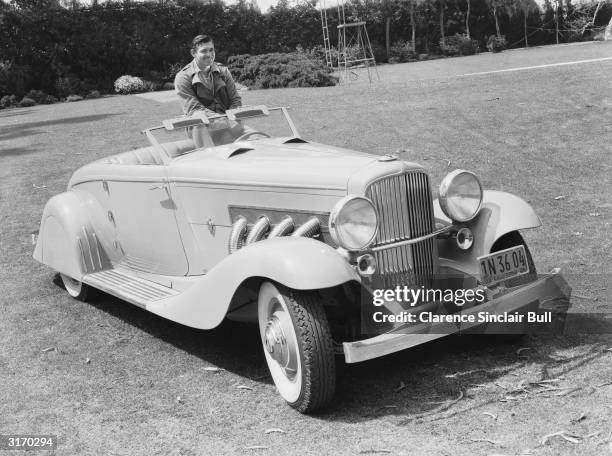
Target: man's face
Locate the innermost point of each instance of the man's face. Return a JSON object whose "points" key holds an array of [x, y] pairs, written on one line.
{"points": [[204, 54]]}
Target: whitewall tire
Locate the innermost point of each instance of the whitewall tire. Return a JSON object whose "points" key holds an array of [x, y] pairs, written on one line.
{"points": [[297, 345]]}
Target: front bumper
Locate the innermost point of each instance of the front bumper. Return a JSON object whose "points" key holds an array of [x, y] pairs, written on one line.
{"points": [[541, 294]]}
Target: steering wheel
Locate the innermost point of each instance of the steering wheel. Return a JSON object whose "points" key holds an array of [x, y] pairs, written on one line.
{"points": [[251, 133]]}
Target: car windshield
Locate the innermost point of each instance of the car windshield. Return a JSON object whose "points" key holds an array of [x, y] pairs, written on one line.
{"points": [[187, 134]]}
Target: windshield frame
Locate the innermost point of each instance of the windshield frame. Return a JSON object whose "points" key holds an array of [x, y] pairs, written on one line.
{"points": [[197, 120]]}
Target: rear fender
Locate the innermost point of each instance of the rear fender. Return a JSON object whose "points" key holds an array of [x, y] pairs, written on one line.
{"points": [[298, 263], [66, 240], [501, 213]]}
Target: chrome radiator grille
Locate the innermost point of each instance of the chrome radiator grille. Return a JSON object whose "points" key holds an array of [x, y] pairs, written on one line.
{"points": [[405, 212]]}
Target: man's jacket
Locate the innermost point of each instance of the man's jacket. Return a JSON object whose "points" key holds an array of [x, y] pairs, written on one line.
{"points": [[212, 90]]}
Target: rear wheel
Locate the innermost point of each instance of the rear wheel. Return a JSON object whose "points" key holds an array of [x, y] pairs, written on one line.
{"points": [[75, 288], [297, 345]]}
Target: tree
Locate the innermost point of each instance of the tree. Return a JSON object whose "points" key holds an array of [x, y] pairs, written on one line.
{"points": [[527, 6], [467, 18], [442, 5]]}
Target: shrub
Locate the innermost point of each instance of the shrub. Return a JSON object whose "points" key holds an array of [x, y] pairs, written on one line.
{"points": [[296, 69], [401, 51], [496, 44], [168, 86], [129, 84], [171, 71], [74, 98], [8, 100], [459, 44], [93, 94], [67, 85], [379, 51], [26, 102], [13, 78], [41, 97]]}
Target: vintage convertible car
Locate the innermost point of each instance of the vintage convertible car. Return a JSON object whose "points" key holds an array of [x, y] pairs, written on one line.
{"points": [[237, 216]]}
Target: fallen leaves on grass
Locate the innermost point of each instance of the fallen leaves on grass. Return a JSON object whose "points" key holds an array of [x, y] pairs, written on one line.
{"points": [[522, 349], [435, 411], [401, 386], [580, 418], [490, 414], [49, 349], [274, 431], [374, 451], [256, 447], [459, 374], [577, 233], [492, 442], [39, 186], [564, 435], [594, 214], [244, 387], [560, 197], [87, 361], [179, 400], [213, 369], [567, 391]]}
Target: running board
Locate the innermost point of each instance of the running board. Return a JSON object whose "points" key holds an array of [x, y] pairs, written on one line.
{"points": [[135, 290]]}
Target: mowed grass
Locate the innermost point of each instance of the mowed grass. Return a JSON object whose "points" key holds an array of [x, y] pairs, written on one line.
{"points": [[109, 378]]}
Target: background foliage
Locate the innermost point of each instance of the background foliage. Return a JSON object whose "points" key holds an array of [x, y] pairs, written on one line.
{"points": [[65, 48]]}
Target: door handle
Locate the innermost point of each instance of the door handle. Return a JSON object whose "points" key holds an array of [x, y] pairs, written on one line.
{"points": [[158, 187]]}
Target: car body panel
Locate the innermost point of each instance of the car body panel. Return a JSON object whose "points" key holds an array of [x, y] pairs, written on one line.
{"points": [[298, 263], [501, 213]]}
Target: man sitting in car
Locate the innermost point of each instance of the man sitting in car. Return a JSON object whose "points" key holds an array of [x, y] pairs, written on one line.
{"points": [[204, 85]]}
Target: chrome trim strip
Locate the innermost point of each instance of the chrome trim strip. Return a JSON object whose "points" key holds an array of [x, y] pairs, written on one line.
{"points": [[411, 241]]}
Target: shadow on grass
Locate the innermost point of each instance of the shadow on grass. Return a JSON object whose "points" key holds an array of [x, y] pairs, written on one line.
{"points": [[406, 385], [15, 112], [14, 151], [28, 129]]}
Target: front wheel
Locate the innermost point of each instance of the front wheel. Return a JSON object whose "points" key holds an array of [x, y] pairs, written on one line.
{"points": [[297, 345]]}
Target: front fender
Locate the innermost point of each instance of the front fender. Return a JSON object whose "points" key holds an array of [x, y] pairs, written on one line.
{"points": [[298, 263], [501, 213]]}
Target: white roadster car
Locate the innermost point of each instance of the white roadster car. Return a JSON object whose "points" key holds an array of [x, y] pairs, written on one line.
{"points": [[236, 216]]}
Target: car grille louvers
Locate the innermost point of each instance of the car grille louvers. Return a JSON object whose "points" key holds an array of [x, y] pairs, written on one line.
{"points": [[405, 212]]}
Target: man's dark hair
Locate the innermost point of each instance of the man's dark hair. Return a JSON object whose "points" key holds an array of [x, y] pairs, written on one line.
{"points": [[200, 39]]}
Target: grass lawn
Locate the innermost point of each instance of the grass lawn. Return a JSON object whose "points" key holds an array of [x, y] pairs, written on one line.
{"points": [[110, 379]]}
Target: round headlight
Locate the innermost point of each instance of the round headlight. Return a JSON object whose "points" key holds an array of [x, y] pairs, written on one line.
{"points": [[353, 222], [460, 195]]}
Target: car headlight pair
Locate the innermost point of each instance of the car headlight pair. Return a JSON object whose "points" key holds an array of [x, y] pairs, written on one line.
{"points": [[460, 195], [353, 221]]}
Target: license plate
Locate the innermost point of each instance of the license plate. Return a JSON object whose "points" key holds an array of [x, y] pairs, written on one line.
{"points": [[503, 265]]}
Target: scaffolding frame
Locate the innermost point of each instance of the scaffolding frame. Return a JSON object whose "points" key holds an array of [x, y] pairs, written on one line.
{"points": [[354, 47]]}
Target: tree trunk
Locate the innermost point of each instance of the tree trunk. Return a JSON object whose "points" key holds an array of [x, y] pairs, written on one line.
{"points": [[525, 27], [413, 25], [557, 22], [467, 19], [387, 27], [592, 21], [442, 40], [496, 22]]}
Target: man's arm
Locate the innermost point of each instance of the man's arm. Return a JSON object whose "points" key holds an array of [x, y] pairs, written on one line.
{"points": [[188, 97], [232, 93]]}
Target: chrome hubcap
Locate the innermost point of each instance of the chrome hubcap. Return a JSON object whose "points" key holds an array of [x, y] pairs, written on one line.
{"points": [[276, 342]]}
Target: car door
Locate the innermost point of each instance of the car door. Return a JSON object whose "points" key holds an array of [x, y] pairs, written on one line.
{"points": [[144, 215]]}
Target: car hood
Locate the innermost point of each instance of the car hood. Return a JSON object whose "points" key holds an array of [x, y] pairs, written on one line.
{"points": [[278, 163]]}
